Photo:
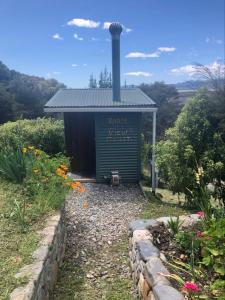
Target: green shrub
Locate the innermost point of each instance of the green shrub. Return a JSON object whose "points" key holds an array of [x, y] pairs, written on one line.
{"points": [[213, 249], [46, 134], [175, 225], [12, 165]]}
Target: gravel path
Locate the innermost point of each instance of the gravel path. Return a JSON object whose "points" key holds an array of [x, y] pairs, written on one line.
{"points": [[96, 261]]}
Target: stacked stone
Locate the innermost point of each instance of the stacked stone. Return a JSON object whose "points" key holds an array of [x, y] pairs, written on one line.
{"points": [[42, 273], [148, 272]]}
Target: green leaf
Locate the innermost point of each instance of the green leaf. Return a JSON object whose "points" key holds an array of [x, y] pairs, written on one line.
{"points": [[219, 270]]}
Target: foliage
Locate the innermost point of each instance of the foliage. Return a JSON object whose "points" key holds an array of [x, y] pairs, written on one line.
{"points": [[44, 133], [105, 80], [23, 96], [12, 165], [175, 225], [193, 141], [213, 252], [145, 152], [188, 242], [161, 93], [15, 248], [44, 184]]}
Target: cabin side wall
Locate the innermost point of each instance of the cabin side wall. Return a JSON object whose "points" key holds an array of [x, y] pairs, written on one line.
{"points": [[118, 142]]}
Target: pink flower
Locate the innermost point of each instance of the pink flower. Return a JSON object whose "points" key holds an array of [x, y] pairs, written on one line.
{"points": [[199, 234], [191, 286], [201, 214]]}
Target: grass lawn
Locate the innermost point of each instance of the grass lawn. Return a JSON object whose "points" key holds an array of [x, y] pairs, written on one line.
{"points": [[164, 206], [15, 247]]}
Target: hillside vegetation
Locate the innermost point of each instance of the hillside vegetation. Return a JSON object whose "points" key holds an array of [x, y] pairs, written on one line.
{"points": [[23, 96]]}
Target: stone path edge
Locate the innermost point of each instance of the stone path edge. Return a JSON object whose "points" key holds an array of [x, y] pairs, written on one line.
{"points": [[147, 261], [47, 259]]}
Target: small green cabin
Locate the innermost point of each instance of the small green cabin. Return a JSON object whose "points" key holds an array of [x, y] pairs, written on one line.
{"points": [[103, 126], [101, 135]]}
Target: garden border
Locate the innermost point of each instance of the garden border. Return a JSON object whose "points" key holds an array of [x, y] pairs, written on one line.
{"points": [[147, 261], [42, 272]]}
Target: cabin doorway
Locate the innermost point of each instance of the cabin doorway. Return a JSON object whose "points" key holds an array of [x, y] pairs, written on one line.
{"points": [[80, 142]]}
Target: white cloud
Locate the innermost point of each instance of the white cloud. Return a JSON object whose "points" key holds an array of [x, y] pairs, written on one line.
{"points": [[128, 29], [77, 37], [74, 65], [83, 23], [107, 24], [57, 36], [213, 41], [139, 73], [188, 70], [167, 49], [94, 39], [85, 65], [191, 70], [142, 55], [56, 73], [108, 40]]}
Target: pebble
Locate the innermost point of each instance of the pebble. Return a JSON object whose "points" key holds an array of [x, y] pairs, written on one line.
{"points": [[102, 224]]}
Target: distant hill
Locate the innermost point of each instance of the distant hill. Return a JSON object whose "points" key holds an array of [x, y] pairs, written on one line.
{"points": [[193, 85], [23, 96]]}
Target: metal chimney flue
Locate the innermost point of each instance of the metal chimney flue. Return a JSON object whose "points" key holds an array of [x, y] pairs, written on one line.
{"points": [[115, 30]]}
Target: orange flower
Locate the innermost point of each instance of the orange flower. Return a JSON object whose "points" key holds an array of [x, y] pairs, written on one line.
{"points": [[64, 167], [60, 172], [81, 189], [74, 185], [85, 204]]}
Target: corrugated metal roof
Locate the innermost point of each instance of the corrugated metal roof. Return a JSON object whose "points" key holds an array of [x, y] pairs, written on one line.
{"points": [[97, 98]]}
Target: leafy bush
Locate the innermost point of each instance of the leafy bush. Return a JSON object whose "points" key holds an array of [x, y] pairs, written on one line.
{"points": [[213, 251], [193, 141], [43, 181], [46, 134], [12, 165]]}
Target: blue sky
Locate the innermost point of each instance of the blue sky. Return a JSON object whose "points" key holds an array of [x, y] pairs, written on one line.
{"points": [[65, 39]]}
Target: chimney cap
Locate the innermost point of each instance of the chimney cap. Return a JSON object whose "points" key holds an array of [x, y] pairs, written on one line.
{"points": [[115, 28]]}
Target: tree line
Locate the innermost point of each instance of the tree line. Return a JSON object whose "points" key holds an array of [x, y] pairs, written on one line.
{"points": [[23, 96]]}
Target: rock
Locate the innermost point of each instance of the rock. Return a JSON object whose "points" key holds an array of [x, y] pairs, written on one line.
{"points": [[41, 253], [143, 287], [163, 292], [142, 224], [147, 250], [32, 271], [154, 272], [140, 235]]}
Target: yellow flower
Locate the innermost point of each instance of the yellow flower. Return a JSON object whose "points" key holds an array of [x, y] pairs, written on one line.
{"points": [[31, 147], [24, 150], [35, 171], [37, 152]]}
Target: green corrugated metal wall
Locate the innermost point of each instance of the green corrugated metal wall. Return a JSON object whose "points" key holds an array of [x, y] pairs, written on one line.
{"points": [[118, 145]]}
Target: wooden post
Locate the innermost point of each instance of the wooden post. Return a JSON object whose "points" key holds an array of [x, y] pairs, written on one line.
{"points": [[153, 152]]}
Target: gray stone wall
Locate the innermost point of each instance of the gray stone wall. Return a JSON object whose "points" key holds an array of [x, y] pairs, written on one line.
{"points": [[146, 260], [42, 273]]}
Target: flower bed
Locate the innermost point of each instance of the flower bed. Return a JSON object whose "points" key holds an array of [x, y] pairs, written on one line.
{"points": [[179, 258], [33, 185]]}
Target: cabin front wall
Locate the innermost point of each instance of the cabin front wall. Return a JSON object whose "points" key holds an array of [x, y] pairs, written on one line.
{"points": [[118, 141]]}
